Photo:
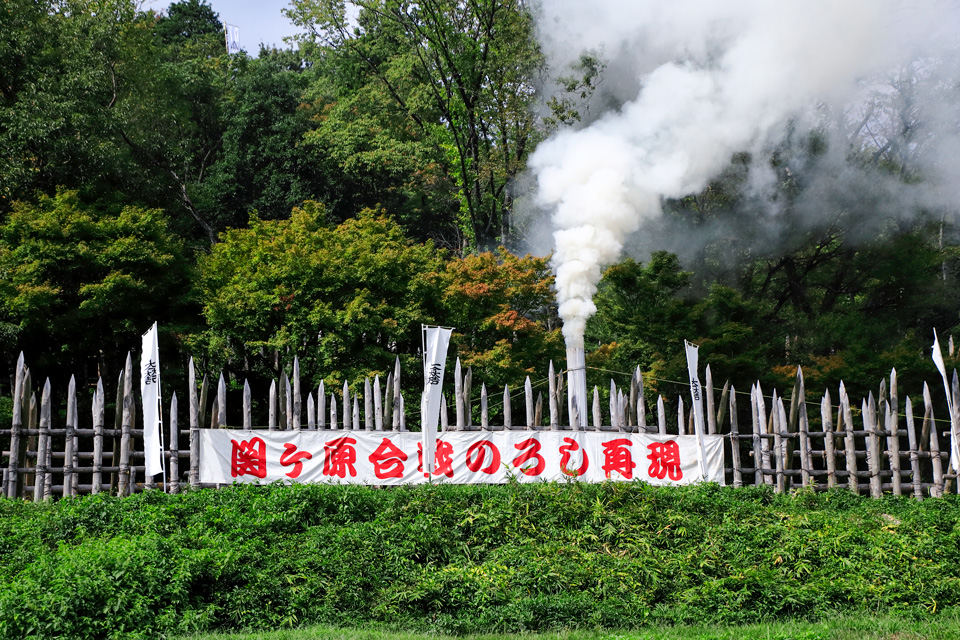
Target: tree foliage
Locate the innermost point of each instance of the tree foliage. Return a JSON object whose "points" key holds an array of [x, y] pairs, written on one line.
{"points": [[61, 80], [80, 281], [455, 76], [348, 299], [132, 144], [503, 308]]}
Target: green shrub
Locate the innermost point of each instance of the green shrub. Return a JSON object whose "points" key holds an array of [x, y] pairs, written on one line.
{"points": [[462, 559]]}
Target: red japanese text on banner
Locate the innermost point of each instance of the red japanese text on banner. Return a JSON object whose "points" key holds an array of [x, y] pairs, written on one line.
{"points": [[391, 458]]}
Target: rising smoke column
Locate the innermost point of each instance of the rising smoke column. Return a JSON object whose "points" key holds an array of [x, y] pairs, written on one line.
{"points": [[714, 78]]}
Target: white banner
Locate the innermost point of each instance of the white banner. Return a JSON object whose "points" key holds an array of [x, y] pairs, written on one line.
{"points": [[435, 343], [696, 393], [951, 403], [233, 38], [150, 393], [393, 458]]}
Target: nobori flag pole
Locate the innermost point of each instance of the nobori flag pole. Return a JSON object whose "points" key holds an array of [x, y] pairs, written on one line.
{"points": [[153, 459], [435, 342], [696, 395], [951, 403]]}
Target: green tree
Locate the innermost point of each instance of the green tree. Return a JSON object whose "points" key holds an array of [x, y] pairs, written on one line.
{"points": [[190, 22], [641, 316], [262, 163], [62, 78], [503, 308], [172, 125], [460, 77], [347, 299], [80, 281]]}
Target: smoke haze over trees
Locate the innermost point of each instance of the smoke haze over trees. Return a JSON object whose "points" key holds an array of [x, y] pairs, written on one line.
{"points": [[777, 182]]}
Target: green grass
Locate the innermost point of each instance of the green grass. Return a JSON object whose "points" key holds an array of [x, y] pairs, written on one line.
{"points": [[474, 559], [947, 628]]}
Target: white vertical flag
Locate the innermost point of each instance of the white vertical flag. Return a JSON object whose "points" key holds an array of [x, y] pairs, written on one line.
{"points": [[696, 395], [150, 393], [941, 367], [435, 343], [233, 38]]}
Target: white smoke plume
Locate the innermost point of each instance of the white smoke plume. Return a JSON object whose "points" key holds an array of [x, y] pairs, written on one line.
{"points": [[708, 79]]}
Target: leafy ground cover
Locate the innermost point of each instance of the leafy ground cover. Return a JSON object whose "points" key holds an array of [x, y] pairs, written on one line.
{"points": [[470, 559], [867, 628]]}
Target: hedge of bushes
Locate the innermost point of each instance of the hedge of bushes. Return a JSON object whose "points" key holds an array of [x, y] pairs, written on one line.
{"points": [[467, 558]]}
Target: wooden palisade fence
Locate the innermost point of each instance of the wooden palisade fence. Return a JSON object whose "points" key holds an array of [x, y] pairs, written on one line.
{"points": [[888, 447]]}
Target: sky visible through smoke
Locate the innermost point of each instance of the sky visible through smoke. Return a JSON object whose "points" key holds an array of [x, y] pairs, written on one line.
{"points": [[690, 83]]}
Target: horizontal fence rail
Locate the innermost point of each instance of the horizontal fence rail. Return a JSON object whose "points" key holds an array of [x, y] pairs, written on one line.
{"points": [[889, 449]]}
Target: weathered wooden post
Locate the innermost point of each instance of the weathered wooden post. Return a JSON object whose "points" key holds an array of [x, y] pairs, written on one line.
{"points": [[287, 404], [614, 418], [99, 400], [914, 453], [297, 400], [711, 415], [40, 478], [282, 394], [321, 406], [734, 436], [272, 407], [806, 460], [202, 405], [397, 400], [194, 425], [356, 412], [69, 468], [853, 482], [641, 403], [552, 397], [893, 443], [247, 408], [12, 482], [115, 440], [597, 413], [722, 407], [174, 486], [661, 416], [333, 412], [484, 415], [444, 417], [758, 478], [929, 426], [826, 424], [458, 396], [388, 403], [507, 409], [377, 405], [765, 427], [681, 418], [124, 481], [468, 398], [893, 449], [221, 403], [776, 412], [367, 405], [871, 424], [528, 402]]}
